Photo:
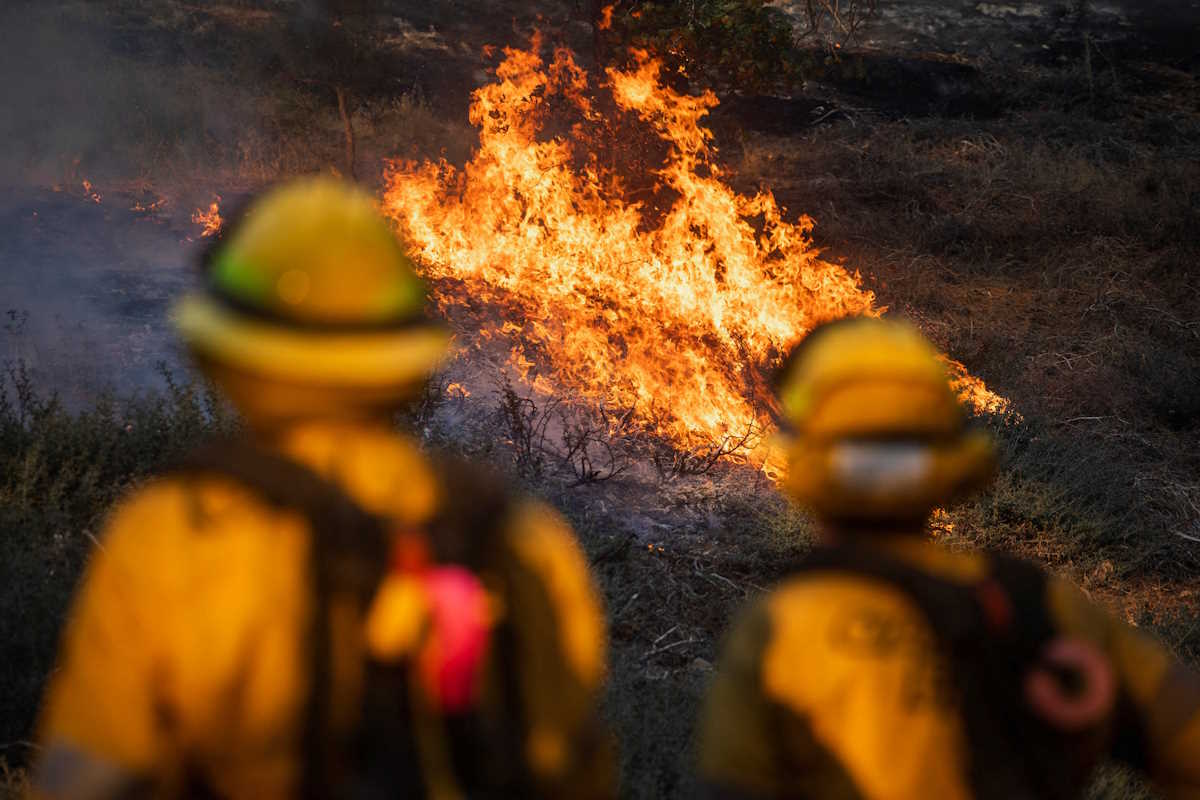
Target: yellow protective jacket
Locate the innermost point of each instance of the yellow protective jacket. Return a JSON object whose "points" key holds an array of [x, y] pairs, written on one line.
{"points": [[830, 687], [184, 659]]}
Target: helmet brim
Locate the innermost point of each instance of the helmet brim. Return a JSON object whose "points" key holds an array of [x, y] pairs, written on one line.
{"points": [[355, 360]]}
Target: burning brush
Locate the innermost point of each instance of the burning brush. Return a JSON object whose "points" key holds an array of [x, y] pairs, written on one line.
{"points": [[676, 309]]}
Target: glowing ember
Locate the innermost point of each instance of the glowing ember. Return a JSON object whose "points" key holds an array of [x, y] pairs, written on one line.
{"points": [[149, 207], [209, 220], [90, 192], [677, 311]]}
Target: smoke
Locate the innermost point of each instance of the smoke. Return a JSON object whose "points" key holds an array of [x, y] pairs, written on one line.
{"points": [[85, 280], [153, 91], [53, 95], [162, 105], [85, 292]]}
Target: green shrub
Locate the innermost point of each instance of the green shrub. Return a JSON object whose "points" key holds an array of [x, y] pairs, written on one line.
{"points": [[747, 44], [750, 46]]}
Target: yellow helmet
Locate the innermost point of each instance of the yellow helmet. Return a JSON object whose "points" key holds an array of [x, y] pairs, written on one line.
{"points": [[312, 292], [877, 433]]}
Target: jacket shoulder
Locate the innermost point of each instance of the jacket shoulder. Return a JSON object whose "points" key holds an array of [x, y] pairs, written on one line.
{"points": [[546, 549], [185, 575], [184, 544], [170, 510]]}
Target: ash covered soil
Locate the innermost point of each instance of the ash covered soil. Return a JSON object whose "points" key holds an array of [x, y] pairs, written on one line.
{"points": [[1020, 178]]}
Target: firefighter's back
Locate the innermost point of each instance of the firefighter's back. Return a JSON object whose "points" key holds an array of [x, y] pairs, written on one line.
{"points": [[318, 608]]}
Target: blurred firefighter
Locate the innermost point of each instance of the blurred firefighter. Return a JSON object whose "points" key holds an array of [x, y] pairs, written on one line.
{"points": [[887, 667], [320, 610]]}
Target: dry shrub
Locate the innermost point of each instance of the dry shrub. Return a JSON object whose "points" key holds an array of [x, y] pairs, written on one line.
{"points": [[837, 21], [409, 126], [1115, 783]]}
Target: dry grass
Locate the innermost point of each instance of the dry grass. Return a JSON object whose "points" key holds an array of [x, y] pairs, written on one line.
{"points": [[14, 784], [1051, 251], [59, 474]]}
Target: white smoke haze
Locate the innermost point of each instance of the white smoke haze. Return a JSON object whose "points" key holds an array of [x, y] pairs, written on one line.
{"points": [[98, 122], [123, 117]]}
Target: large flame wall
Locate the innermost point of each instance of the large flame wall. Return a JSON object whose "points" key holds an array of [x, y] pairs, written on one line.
{"points": [[678, 311]]}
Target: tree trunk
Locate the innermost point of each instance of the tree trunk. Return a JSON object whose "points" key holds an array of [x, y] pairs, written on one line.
{"points": [[349, 128]]}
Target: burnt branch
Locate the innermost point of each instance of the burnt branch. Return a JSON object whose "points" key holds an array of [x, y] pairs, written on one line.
{"points": [[672, 462], [526, 426], [595, 443]]}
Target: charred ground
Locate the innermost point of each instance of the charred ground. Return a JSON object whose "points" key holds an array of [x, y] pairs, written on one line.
{"points": [[1020, 179]]}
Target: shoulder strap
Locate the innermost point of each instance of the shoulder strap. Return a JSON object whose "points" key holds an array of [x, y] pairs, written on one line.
{"points": [[1024, 587], [348, 558], [467, 527], [350, 545], [947, 606]]}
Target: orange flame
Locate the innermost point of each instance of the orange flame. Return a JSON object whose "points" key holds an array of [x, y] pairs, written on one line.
{"points": [[606, 16], [973, 391], [209, 220], [677, 313]]}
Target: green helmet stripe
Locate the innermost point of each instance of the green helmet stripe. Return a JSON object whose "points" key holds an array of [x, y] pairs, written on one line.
{"points": [[235, 278]]}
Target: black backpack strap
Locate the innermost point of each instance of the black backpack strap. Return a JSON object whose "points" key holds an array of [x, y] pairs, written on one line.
{"points": [[467, 528], [1014, 753], [947, 606], [351, 545], [486, 749], [348, 559], [1024, 585]]}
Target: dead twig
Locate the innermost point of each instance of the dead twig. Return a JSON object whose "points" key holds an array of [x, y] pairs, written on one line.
{"points": [[671, 462], [669, 631], [667, 648]]}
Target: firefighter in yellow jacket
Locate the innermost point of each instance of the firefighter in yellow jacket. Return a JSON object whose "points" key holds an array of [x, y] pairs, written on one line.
{"points": [[320, 610], [887, 667]]}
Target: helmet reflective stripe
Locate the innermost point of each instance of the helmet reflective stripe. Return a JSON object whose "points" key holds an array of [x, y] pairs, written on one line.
{"points": [[316, 250], [881, 467]]}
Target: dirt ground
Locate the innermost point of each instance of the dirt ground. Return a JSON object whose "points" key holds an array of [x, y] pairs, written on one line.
{"points": [[1019, 178]]}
